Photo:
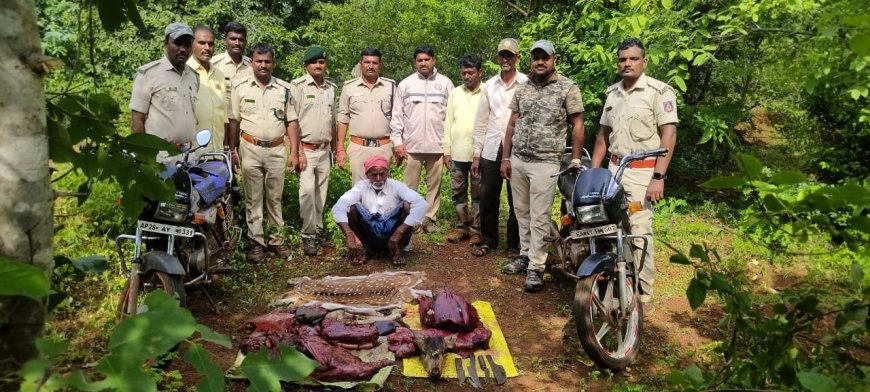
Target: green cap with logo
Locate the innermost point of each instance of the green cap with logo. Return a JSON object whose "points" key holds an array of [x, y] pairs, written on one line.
{"points": [[313, 53]]}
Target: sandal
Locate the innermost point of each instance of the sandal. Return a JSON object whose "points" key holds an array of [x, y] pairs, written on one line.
{"points": [[481, 250]]}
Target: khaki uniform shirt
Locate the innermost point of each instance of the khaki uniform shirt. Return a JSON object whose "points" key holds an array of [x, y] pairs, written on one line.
{"points": [[225, 64], [366, 110], [635, 116], [167, 99], [419, 112], [459, 125], [210, 108], [262, 112], [540, 133], [313, 108]]}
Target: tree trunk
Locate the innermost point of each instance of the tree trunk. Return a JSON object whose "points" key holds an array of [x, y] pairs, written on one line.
{"points": [[25, 189]]}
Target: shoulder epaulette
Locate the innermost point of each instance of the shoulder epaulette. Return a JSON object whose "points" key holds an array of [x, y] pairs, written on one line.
{"points": [[658, 85], [148, 66], [236, 82], [282, 83], [388, 79], [347, 82], [297, 81], [612, 88]]}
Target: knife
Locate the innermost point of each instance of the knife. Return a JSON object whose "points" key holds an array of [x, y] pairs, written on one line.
{"points": [[460, 372], [483, 366], [472, 372], [497, 371]]}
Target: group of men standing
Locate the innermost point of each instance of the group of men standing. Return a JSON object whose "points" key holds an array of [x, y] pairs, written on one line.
{"points": [[511, 128]]}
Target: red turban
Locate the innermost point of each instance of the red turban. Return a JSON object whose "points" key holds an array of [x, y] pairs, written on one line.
{"points": [[375, 161]]}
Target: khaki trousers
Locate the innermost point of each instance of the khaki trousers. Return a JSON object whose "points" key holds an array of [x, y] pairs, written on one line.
{"points": [[313, 183], [533, 191], [263, 170], [357, 156], [432, 163], [635, 182]]}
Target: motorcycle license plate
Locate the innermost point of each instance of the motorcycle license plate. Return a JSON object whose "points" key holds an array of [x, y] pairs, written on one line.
{"points": [[161, 228], [593, 231]]}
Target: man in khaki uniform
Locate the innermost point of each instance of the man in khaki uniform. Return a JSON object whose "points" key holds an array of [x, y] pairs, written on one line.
{"points": [[260, 107], [233, 61], [364, 111], [210, 108], [164, 91], [640, 114], [313, 97]]}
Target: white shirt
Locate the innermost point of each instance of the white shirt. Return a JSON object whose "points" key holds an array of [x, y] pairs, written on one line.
{"points": [[392, 196], [493, 115]]}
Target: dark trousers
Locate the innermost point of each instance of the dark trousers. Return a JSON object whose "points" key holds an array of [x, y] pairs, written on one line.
{"points": [[490, 199], [372, 243]]}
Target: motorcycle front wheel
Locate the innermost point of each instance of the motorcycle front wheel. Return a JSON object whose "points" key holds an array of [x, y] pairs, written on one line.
{"points": [[148, 282], [610, 336]]}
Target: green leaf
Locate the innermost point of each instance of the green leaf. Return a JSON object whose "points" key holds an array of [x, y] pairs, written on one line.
{"points": [[49, 348], [681, 84], [110, 14], [213, 379], [696, 292], [750, 165], [267, 373], [17, 278], [788, 177], [154, 332], [773, 204], [667, 4], [687, 54], [211, 336], [148, 141], [92, 264], [124, 375], [860, 44], [855, 313], [807, 304], [698, 252], [132, 13], [857, 274], [680, 259], [816, 382], [861, 223], [104, 106], [59, 144], [724, 182]]}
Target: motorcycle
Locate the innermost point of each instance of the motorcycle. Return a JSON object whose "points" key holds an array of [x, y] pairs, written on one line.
{"points": [[594, 249], [190, 240]]}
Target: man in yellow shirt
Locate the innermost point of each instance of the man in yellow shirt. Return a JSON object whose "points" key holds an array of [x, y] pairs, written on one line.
{"points": [[458, 147], [210, 105]]}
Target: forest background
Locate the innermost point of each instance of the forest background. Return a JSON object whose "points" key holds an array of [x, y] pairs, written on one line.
{"points": [[774, 100]]}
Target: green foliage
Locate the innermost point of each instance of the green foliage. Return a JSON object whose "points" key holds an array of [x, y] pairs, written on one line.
{"points": [[18, 278], [782, 345], [286, 364]]}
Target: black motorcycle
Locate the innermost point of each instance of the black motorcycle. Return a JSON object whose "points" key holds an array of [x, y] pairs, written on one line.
{"points": [[190, 240], [594, 249]]}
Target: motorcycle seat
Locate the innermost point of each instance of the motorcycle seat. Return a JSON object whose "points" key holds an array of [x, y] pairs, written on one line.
{"points": [[210, 179]]}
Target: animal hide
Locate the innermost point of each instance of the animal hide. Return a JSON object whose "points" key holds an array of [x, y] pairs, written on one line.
{"points": [[359, 294], [336, 363]]}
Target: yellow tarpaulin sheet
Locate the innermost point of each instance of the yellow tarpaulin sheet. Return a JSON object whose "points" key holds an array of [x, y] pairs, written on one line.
{"points": [[413, 367]]}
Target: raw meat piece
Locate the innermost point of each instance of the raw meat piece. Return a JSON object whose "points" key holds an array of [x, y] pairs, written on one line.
{"points": [[449, 312], [338, 364], [279, 320], [336, 331], [466, 343], [268, 339], [402, 343]]}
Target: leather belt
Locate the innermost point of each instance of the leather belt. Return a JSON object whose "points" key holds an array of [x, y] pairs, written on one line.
{"points": [[262, 143], [649, 163], [370, 142], [313, 147]]}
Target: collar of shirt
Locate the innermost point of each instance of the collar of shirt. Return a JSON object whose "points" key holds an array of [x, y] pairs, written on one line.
{"points": [[362, 82], [552, 79], [470, 92], [255, 82], [431, 77], [641, 84], [199, 68], [166, 65], [310, 80], [229, 60]]}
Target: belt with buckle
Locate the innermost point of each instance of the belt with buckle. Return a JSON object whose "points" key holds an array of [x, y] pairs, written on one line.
{"points": [[370, 142], [262, 143], [313, 147], [649, 163]]}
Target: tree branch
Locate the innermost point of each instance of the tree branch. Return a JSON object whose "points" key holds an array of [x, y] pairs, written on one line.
{"points": [[516, 7]]}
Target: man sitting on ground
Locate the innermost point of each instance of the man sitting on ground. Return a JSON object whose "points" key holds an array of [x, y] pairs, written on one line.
{"points": [[379, 212]]}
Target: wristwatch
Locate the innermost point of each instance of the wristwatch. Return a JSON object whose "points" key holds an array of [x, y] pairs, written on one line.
{"points": [[659, 176]]}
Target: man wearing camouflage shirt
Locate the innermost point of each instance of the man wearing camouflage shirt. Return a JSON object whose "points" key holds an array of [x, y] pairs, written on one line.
{"points": [[541, 109]]}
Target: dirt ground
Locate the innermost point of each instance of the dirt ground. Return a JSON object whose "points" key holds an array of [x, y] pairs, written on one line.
{"points": [[538, 327]]}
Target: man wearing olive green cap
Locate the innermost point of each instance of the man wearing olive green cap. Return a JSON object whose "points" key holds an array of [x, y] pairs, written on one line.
{"points": [[313, 97], [164, 91]]}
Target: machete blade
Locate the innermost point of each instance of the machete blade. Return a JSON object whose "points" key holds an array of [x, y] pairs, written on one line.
{"points": [[460, 372], [497, 371], [472, 372], [482, 363]]}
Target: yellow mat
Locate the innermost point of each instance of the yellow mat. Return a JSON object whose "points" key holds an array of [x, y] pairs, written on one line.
{"points": [[413, 367]]}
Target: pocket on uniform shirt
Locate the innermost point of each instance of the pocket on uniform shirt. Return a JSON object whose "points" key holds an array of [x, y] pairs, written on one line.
{"points": [[641, 125], [169, 100]]}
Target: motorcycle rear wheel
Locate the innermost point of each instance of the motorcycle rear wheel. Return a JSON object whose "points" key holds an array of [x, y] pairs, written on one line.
{"points": [[611, 342], [148, 282]]}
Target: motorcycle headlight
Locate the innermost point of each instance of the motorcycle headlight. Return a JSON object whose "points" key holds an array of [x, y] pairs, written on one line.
{"points": [[171, 212], [591, 213]]}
